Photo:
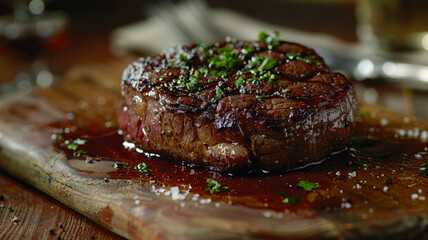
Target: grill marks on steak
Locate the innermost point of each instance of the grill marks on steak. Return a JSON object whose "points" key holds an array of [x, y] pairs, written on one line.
{"points": [[301, 117]]}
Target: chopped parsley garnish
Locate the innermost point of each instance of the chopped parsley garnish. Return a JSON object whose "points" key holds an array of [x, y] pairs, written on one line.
{"points": [[80, 141], [207, 71], [291, 200], [259, 76], [357, 165], [163, 169], [365, 114], [261, 73], [227, 59], [307, 186], [299, 57], [190, 83], [75, 146], [203, 70], [424, 169], [179, 83], [270, 40], [183, 58], [383, 155], [264, 62], [215, 187], [56, 136], [143, 168], [362, 142], [267, 64], [120, 165], [181, 62], [254, 61], [220, 73], [79, 152], [248, 51], [260, 96], [219, 94], [240, 82], [193, 83]]}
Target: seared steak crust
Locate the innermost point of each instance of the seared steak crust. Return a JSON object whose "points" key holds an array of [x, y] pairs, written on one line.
{"points": [[225, 106]]}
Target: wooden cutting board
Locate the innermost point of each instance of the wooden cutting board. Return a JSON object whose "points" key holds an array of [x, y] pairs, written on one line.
{"points": [[63, 140]]}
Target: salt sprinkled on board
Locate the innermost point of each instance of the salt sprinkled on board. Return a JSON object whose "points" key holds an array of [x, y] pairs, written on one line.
{"points": [[384, 122], [267, 214], [424, 138], [401, 132], [352, 174], [346, 205]]}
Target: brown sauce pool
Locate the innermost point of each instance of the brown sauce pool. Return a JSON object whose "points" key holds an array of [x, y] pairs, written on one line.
{"points": [[366, 180]]}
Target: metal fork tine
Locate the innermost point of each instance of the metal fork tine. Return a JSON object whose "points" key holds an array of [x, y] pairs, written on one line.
{"points": [[201, 10], [188, 21], [161, 13]]}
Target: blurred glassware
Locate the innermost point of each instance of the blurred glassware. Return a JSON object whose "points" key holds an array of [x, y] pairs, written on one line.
{"points": [[393, 25], [32, 34]]}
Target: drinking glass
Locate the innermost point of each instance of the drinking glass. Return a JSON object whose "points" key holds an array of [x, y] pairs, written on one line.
{"points": [[393, 25], [32, 34]]}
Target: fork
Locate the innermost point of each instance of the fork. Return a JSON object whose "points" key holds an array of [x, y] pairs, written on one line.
{"points": [[184, 21]]}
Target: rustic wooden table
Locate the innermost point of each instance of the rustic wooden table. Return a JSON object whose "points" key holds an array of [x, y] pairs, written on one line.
{"points": [[26, 213]]}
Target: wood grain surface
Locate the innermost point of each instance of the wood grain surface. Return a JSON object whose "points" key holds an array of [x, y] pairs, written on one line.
{"points": [[28, 214], [351, 203]]}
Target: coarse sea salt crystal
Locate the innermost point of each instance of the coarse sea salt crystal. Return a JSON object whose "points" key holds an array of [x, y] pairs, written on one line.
{"points": [[401, 132], [267, 214], [384, 122], [424, 137], [346, 205]]}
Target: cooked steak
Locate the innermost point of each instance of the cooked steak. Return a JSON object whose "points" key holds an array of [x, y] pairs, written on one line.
{"points": [[236, 105]]}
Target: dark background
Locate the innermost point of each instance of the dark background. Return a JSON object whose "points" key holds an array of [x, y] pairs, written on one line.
{"points": [[92, 21]]}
